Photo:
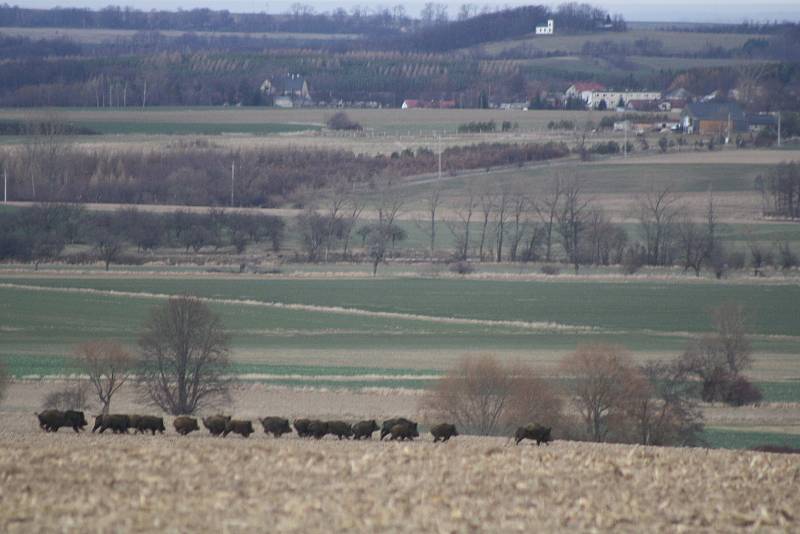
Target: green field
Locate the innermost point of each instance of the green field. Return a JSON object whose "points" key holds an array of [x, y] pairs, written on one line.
{"points": [[736, 439], [403, 323], [192, 128]]}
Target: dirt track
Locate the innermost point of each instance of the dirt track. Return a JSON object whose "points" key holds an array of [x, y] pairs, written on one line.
{"points": [[65, 482]]}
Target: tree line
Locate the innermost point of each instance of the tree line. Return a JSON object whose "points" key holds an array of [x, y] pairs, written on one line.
{"points": [[48, 169], [42, 233], [604, 395]]}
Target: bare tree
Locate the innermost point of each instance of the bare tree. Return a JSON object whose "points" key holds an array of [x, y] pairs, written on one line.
{"points": [[461, 228], [354, 208], [662, 410], [695, 245], [519, 215], [485, 397], [5, 378], [548, 209], [502, 205], [572, 220], [184, 350], [390, 202], [657, 212], [108, 365], [43, 152], [432, 202], [719, 358], [603, 379], [486, 202]]}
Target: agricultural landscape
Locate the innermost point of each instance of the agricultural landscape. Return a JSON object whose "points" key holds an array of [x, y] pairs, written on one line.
{"points": [[367, 216]]}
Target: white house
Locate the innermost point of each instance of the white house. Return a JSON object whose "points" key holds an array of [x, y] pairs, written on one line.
{"points": [[546, 30], [612, 98]]}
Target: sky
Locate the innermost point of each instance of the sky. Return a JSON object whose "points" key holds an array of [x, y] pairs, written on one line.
{"points": [[641, 10]]}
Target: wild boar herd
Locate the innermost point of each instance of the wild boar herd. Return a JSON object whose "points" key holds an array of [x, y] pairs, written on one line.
{"points": [[399, 428]]}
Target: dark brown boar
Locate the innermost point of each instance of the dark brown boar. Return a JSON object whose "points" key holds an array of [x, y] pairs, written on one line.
{"points": [[317, 429], [150, 423], [387, 426], [301, 427], [340, 429], [216, 424], [184, 425], [52, 420], [443, 432], [533, 432], [243, 428], [277, 426], [404, 431], [118, 423], [364, 429]]}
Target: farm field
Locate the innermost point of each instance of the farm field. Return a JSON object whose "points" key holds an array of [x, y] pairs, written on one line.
{"points": [[417, 325], [105, 35], [391, 121], [135, 483], [673, 42]]}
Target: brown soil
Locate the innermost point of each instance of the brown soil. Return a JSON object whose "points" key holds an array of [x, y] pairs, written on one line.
{"points": [[74, 483]]}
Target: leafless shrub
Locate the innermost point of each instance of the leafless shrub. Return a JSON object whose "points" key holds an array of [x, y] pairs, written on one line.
{"points": [[108, 365], [5, 378], [603, 379], [73, 396], [341, 121], [550, 269], [461, 267], [482, 396]]}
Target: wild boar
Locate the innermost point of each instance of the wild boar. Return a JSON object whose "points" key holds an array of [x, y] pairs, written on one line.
{"points": [[216, 424], [133, 421], [317, 429], [52, 420], [534, 432], [184, 425], [277, 426], [340, 429], [118, 423], [386, 429], [443, 432], [301, 427], [404, 431], [364, 429], [149, 422], [243, 428]]}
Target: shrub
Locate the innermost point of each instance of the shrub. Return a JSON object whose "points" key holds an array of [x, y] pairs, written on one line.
{"points": [[5, 378], [73, 396], [786, 257], [483, 396], [741, 392], [550, 269], [341, 121], [461, 267]]}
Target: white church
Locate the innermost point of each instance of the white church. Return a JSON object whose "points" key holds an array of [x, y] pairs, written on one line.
{"points": [[546, 30]]}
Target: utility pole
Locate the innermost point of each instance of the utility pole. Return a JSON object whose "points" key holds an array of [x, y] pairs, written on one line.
{"points": [[439, 139], [625, 145], [5, 186], [144, 95], [233, 178]]}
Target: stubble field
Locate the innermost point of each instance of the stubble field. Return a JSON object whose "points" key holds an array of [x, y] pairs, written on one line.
{"points": [[66, 482]]}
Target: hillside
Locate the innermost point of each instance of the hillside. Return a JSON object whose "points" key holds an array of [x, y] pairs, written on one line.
{"points": [[136, 483]]}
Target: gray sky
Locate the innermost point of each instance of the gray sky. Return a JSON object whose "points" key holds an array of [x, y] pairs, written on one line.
{"points": [[642, 10]]}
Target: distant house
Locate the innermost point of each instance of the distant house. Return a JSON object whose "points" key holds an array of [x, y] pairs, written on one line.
{"points": [[428, 104], [287, 91], [546, 30], [583, 90], [761, 121], [713, 118], [611, 99]]}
